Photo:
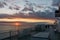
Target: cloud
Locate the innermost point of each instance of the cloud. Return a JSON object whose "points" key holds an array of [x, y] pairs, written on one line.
{"points": [[7, 11], [33, 10]]}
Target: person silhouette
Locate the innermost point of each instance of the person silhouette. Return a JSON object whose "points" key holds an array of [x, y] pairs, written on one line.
{"points": [[57, 12]]}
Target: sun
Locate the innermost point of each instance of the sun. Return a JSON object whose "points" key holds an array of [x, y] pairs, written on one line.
{"points": [[17, 24]]}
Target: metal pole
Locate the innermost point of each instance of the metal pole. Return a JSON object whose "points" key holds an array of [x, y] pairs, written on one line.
{"points": [[10, 34]]}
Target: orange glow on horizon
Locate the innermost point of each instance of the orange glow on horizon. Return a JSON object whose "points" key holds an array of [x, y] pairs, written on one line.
{"points": [[30, 20], [17, 24]]}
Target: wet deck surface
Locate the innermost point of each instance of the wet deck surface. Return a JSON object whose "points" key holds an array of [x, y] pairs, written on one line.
{"points": [[57, 37]]}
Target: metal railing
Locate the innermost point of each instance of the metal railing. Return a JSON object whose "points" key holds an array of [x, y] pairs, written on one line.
{"points": [[11, 35], [15, 34]]}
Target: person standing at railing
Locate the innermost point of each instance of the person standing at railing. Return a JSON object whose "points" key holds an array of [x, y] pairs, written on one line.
{"points": [[57, 12]]}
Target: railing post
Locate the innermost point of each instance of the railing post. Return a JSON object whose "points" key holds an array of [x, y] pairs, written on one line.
{"points": [[18, 35], [10, 34]]}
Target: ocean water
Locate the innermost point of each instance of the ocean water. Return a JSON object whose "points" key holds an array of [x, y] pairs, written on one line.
{"points": [[4, 31], [10, 28], [6, 28]]}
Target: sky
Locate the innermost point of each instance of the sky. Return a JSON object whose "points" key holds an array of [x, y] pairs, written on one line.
{"points": [[21, 4], [50, 21]]}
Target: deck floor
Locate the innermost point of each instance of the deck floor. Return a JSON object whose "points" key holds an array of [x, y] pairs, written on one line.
{"points": [[57, 37]]}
